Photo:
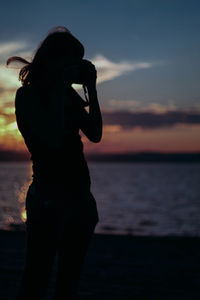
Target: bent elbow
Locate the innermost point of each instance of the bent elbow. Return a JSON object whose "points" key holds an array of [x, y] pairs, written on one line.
{"points": [[92, 135], [96, 139]]}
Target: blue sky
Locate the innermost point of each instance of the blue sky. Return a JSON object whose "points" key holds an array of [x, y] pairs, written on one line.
{"points": [[163, 33]]}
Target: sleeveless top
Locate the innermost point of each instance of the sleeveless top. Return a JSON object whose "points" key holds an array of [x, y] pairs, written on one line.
{"points": [[66, 165]]}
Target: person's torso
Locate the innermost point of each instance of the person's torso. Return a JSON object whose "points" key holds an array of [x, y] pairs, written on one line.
{"points": [[67, 164]]}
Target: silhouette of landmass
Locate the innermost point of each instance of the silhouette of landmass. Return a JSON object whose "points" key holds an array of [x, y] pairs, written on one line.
{"points": [[8, 155], [147, 156]]}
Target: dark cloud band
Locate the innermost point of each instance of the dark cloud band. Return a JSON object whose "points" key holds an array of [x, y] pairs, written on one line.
{"points": [[129, 120]]}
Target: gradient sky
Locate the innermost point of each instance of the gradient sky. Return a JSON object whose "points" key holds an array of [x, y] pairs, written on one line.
{"points": [[147, 58]]}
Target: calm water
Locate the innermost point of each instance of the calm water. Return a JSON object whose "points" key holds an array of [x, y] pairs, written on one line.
{"points": [[134, 198]]}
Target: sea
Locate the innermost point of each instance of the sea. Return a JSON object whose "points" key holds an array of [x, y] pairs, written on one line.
{"points": [[133, 198]]}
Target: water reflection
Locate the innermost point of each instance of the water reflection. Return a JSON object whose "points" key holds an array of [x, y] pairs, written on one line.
{"points": [[9, 220], [21, 197], [23, 214], [15, 178], [148, 199]]}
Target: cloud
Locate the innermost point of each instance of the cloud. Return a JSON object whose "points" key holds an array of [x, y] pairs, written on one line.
{"points": [[112, 128], [117, 115], [138, 106], [15, 48], [146, 120], [8, 48], [9, 81], [108, 70]]}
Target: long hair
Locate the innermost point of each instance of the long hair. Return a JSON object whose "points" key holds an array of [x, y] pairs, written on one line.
{"points": [[59, 43]]}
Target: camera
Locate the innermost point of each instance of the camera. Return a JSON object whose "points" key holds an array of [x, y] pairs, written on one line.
{"points": [[81, 71], [84, 66]]}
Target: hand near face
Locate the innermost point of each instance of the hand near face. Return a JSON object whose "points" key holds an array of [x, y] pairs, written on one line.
{"points": [[71, 70]]}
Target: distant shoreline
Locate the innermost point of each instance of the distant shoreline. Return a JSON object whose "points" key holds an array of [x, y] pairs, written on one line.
{"points": [[145, 156]]}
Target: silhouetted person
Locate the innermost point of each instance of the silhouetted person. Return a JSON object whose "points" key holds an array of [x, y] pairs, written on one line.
{"points": [[61, 210]]}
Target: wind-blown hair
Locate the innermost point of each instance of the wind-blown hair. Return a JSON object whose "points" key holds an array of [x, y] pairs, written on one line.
{"points": [[58, 43]]}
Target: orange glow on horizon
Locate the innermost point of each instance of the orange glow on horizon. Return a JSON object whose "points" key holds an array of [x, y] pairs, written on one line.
{"points": [[178, 138], [115, 139]]}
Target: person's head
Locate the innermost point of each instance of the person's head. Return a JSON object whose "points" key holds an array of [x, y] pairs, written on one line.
{"points": [[60, 46]]}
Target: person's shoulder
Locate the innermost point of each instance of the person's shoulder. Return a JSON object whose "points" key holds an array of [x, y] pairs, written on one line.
{"points": [[23, 96], [22, 91], [19, 95]]}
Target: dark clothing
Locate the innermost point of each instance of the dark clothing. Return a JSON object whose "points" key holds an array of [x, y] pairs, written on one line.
{"points": [[61, 211], [59, 221], [68, 164]]}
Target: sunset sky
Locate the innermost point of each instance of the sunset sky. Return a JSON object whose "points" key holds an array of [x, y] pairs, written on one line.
{"points": [[147, 56]]}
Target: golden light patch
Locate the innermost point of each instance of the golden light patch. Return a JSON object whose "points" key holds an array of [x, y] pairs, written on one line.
{"points": [[9, 78], [9, 110], [2, 121], [112, 128], [23, 215]]}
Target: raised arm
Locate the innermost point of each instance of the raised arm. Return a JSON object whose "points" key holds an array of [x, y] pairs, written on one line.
{"points": [[91, 123]]}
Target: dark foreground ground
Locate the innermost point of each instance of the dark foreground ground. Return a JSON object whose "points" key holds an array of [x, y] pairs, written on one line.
{"points": [[118, 267]]}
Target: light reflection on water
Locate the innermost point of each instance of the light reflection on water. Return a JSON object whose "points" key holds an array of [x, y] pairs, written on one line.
{"points": [[22, 191], [15, 178], [21, 196], [133, 198]]}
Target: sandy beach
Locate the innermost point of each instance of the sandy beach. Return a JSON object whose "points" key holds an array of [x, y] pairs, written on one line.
{"points": [[118, 267]]}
